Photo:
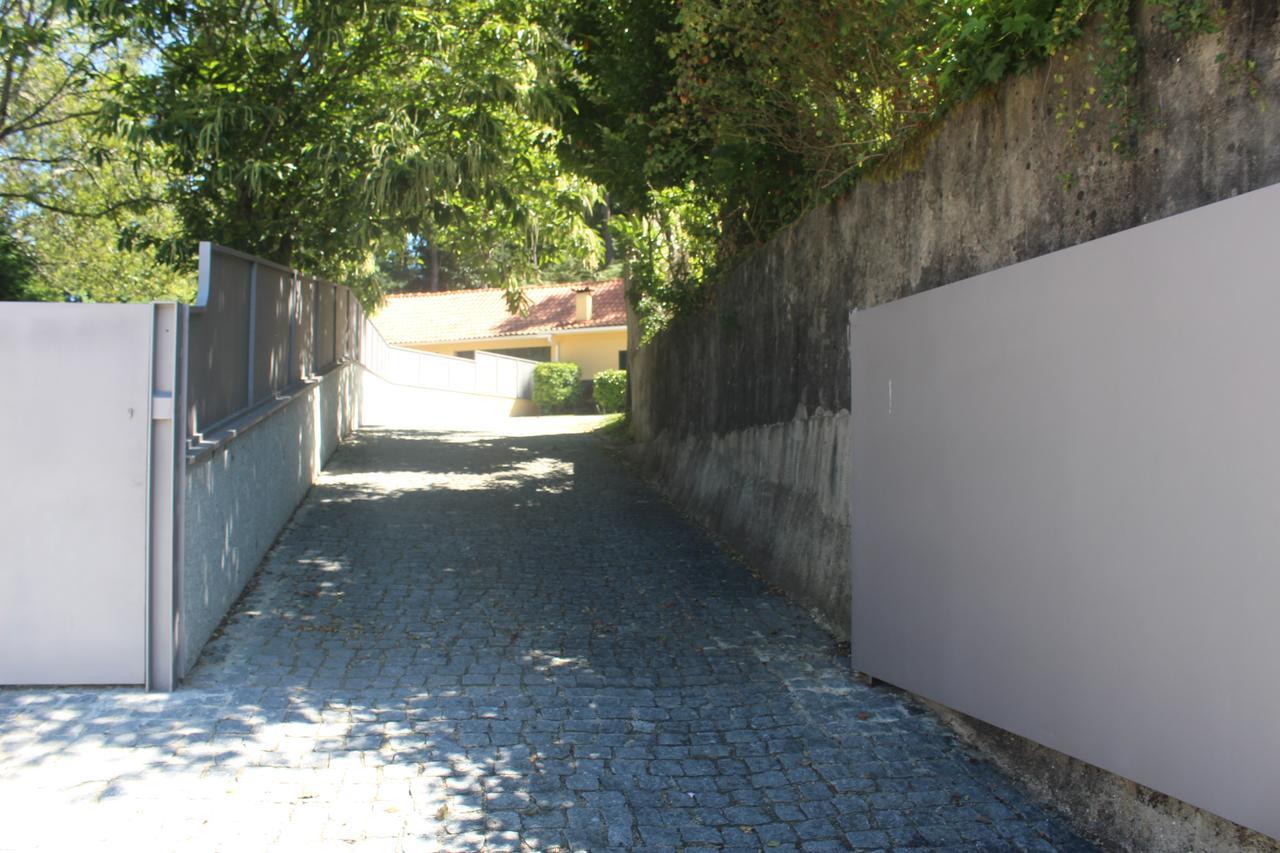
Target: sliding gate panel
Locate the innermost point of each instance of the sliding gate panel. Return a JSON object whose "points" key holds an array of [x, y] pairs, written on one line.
{"points": [[74, 443], [1066, 502]]}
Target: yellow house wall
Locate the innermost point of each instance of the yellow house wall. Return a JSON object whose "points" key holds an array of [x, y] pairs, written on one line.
{"points": [[592, 352]]}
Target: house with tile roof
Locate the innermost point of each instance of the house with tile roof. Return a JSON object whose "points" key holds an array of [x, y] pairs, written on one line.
{"points": [[585, 323]]}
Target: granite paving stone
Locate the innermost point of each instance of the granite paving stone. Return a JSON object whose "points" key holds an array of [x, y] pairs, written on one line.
{"points": [[499, 639]]}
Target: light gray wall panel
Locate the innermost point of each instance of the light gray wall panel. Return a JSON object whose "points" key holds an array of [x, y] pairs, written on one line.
{"points": [[75, 399], [1066, 502]]}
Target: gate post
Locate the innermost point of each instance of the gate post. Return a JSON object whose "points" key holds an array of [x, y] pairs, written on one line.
{"points": [[167, 472]]}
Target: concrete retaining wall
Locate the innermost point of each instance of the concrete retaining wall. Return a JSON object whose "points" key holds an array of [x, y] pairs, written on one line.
{"points": [[778, 493], [242, 493]]}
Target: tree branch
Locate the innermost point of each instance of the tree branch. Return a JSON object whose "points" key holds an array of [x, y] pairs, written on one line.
{"points": [[36, 201]]}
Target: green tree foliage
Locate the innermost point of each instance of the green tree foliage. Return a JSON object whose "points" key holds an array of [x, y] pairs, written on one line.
{"points": [[672, 251], [721, 121], [48, 65], [620, 75], [96, 259], [539, 222], [791, 99], [322, 134], [80, 209]]}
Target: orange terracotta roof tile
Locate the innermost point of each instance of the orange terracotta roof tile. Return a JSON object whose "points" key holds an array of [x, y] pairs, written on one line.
{"points": [[461, 315]]}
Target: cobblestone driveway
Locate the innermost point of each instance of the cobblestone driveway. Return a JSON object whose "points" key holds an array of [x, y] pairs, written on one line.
{"points": [[483, 640]]}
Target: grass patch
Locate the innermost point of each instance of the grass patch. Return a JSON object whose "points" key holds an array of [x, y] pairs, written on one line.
{"points": [[615, 427]]}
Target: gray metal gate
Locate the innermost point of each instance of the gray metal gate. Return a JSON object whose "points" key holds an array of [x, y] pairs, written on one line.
{"points": [[88, 450]]}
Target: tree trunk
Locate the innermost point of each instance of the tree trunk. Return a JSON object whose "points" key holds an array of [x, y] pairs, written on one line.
{"points": [[607, 233]]}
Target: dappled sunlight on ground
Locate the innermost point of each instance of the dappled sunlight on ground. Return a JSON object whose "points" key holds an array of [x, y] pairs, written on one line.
{"points": [[543, 474], [496, 639]]}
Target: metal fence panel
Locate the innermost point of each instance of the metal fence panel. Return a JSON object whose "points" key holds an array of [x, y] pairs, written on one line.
{"points": [[257, 330], [324, 325], [304, 336], [341, 305], [355, 323], [272, 321], [1065, 506], [218, 365]]}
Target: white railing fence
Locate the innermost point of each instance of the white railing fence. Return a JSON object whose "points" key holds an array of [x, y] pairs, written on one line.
{"points": [[488, 373]]}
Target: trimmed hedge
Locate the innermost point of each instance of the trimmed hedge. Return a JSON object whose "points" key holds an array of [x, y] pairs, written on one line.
{"points": [[610, 390], [556, 385]]}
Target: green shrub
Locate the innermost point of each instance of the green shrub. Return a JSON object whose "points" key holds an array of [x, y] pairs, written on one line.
{"points": [[610, 390], [556, 385]]}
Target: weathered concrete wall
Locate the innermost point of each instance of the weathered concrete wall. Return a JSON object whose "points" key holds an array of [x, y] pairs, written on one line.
{"points": [[757, 485], [725, 403], [1002, 181], [241, 495]]}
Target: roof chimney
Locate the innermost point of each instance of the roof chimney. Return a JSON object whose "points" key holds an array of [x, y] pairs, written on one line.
{"points": [[582, 305]]}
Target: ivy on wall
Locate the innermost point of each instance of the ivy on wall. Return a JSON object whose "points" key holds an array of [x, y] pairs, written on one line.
{"points": [[769, 107]]}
